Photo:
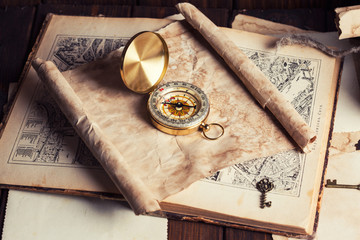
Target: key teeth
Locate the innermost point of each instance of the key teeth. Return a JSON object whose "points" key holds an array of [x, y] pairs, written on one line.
{"points": [[263, 202], [331, 182]]}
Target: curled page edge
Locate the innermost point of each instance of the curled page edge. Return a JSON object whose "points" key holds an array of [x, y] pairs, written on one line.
{"points": [[346, 21], [136, 193], [344, 142], [252, 24], [255, 81]]}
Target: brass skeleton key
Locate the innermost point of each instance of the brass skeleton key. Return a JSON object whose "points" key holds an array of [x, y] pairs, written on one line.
{"points": [[333, 184], [264, 186]]}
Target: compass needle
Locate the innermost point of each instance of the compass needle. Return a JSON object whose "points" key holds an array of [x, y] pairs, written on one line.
{"points": [[177, 108]]}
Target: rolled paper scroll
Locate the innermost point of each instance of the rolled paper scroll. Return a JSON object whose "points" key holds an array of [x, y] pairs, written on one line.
{"points": [[254, 80], [125, 179]]}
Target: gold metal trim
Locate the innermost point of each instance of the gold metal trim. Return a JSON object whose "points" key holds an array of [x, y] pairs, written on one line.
{"points": [[206, 128], [144, 62], [175, 131]]}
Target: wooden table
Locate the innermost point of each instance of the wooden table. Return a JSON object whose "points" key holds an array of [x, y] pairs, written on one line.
{"points": [[20, 22]]}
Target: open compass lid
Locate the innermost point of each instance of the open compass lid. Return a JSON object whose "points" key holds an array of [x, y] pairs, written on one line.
{"points": [[144, 62]]}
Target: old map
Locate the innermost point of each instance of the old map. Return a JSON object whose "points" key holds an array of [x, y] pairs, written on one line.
{"points": [[46, 137], [297, 80]]}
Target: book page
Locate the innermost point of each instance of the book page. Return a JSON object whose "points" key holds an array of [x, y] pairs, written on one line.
{"points": [[47, 144], [302, 74], [259, 140], [336, 220], [90, 91], [344, 141], [44, 216], [39, 146]]}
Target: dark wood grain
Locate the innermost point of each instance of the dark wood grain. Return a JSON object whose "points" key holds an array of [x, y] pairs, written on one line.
{"points": [[153, 12], [220, 16], [198, 3], [293, 4], [15, 30], [78, 10], [278, 4], [18, 3], [91, 2], [236, 234], [315, 20], [184, 230], [3, 203], [331, 4]]}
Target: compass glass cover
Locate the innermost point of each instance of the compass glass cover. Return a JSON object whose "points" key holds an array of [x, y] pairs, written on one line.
{"points": [[178, 105]]}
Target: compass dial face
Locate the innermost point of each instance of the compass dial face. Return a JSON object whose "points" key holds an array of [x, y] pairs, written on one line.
{"points": [[178, 105]]}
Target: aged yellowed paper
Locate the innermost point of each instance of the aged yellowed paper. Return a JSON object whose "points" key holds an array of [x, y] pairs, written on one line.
{"points": [[336, 220], [347, 21], [234, 187], [179, 160], [166, 180], [246, 136], [260, 87], [39, 148], [258, 25], [43, 216]]}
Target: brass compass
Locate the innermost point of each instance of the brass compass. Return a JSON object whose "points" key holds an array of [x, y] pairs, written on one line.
{"points": [[177, 108]]}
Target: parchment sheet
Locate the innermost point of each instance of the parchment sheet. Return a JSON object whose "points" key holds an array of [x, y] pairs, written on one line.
{"points": [[167, 164], [347, 21], [43, 216], [344, 142], [257, 25]]}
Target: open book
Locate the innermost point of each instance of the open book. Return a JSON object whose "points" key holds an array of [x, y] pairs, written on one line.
{"points": [[43, 150]]}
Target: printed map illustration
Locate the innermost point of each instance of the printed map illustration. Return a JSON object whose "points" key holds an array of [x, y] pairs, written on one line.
{"points": [[297, 80], [46, 137]]}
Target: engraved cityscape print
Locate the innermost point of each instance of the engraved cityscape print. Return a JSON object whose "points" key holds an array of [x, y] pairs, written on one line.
{"points": [[46, 137], [296, 79]]}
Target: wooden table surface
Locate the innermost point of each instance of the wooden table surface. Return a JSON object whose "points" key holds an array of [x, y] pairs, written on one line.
{"points": [[20, 22]]}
